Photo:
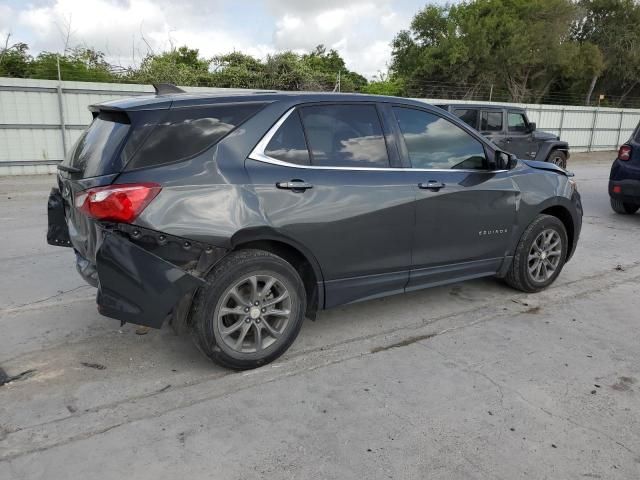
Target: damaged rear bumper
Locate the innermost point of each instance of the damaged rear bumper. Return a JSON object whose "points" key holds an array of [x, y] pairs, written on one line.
{"points": [[135, 285], [142, 276]]}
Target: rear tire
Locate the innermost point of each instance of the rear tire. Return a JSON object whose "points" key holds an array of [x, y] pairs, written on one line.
{"points": [[623, 208], [251, 310], [558, 158], [540, 255]]}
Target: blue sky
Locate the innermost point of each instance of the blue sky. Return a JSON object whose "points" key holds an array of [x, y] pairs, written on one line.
{"points": [[360, 30]]}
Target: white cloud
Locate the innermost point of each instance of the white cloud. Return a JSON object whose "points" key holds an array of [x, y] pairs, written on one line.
{"points": [[361, 30]]}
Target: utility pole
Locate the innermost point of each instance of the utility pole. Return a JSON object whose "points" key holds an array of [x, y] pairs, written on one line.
{"points": [[63, 127], [336, 88]]}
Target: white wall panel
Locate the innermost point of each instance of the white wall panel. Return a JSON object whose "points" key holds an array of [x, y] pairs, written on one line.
{"points": [[33, 103], [30, 144]]}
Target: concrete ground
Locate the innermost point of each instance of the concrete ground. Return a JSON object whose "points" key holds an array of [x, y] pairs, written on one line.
{"points": [[468, 381]]}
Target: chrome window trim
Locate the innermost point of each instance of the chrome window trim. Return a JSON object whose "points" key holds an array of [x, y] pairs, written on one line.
{"points": [[258, 155]]}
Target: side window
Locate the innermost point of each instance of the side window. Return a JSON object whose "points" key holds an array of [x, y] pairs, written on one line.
{"points": [[183, 133], [516, 122], [345, 136], [288, 143], [491, 121], [436, 143], [468, 116]]}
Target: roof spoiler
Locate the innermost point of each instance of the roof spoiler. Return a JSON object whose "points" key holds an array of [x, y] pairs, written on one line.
{"points": [[167, 89]]}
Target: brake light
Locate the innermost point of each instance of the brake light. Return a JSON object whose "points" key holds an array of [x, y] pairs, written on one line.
{"points": [[624, 153], [117, 203]]}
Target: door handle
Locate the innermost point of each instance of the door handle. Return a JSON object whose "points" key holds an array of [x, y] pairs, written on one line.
{"points": [[294, 185], [507, 140], [431, 185]]}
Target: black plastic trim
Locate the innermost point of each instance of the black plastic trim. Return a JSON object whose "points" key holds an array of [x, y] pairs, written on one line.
{"points": [[137, 286]]}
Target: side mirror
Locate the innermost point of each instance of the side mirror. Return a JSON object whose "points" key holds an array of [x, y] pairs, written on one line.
{"points": [[532, 127], [503, 161]]}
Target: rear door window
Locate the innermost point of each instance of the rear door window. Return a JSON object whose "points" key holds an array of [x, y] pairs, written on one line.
{"points": [[345, 136], [468, 116], [185, 132], [96, 151], [288, 144], [491, 121]]}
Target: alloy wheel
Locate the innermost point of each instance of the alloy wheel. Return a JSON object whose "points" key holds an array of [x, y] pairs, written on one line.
{"points": [[559, 160], [253, 313], [544, 255]]}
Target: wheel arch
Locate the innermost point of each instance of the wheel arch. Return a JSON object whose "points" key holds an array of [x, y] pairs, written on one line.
{"points": [[563, 214], [547, 149], [296, 254]]}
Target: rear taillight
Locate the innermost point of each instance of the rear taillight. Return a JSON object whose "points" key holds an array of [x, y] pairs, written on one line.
{"points": [[117, 203], [624, 153]]}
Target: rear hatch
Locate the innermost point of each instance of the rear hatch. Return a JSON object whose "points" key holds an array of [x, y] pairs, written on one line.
{"points": [[128, 135], [95, 160]]}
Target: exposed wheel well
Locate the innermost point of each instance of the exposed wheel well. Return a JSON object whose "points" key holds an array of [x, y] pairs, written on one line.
{"points": [[564, 216], [299, 261]]}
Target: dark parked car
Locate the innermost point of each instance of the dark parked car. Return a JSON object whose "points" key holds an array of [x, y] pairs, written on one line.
{"points": [[235, 216], [510, 129], [624, 180]]}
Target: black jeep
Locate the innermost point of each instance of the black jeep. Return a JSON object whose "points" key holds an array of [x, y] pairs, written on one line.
{"points": [[511, 130]]}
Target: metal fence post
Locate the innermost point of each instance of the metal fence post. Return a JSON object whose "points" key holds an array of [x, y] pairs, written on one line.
{"points": [[561, 123], [63, 127], [593, 129], [619, 129]]}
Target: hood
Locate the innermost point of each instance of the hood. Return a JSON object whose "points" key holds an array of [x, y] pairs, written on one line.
{"points": [[547, 166], [541, 135]]}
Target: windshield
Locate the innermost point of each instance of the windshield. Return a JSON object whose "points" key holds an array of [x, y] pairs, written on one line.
{"points": [[97, 150]]}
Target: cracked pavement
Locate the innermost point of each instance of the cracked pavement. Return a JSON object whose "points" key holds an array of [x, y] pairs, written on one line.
{"points": [[472, 380]]}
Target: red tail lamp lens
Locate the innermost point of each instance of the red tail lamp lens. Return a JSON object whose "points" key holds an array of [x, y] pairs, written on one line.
{"points": [[624, 153], [117, 203]]}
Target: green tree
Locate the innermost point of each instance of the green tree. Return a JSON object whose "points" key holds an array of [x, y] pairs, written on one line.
{"points": [[522, 47], [15, 60], [181, 66], [80, 64], [327, 64], [612, 25]]}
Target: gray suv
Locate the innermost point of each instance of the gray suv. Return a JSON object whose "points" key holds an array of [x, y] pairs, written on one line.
{"points": [[235, 216], [510, 129]]}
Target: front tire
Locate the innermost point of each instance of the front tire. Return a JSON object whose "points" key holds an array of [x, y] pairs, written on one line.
{"points": [[558, 158], [250, 312], [540, 255], [623, 208]]}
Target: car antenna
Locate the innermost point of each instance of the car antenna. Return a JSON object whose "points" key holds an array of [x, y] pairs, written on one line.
{"points": [[167, 88]]}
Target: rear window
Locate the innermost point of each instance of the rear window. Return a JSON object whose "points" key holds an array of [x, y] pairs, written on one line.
{"points": [[96, 151], [184, 133]]}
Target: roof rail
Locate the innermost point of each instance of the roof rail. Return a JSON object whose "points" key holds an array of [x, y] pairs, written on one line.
{"points": [[167, 89]]}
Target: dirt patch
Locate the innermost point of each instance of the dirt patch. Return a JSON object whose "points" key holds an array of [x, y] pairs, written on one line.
{"points": [[533, 310], [4, 378], [404, 343], [623, 384], [97, 366]]}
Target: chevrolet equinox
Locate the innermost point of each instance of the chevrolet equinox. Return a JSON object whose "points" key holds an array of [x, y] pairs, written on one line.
{"points": [[235, 216]]}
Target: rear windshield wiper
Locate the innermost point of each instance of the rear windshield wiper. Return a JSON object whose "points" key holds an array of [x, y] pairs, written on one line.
{"points": [[69, 169]]}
